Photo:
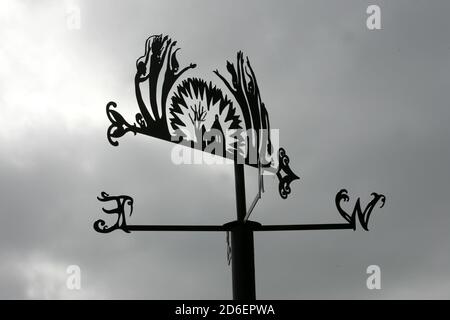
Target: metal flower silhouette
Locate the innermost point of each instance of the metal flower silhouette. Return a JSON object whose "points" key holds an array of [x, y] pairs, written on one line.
{"points": [[199, 114]]}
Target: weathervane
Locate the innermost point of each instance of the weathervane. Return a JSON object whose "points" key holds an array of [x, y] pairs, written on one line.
{"points": [[199, 115]]}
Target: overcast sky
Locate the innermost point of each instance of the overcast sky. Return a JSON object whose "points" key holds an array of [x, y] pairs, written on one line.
{"points": [[364, 110]]}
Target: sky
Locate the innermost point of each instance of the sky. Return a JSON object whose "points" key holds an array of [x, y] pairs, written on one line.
{"points": [[365, 110]]}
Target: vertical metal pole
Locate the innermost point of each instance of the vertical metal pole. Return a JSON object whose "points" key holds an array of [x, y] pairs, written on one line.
{"points": [[239, 180], [242, 244]]}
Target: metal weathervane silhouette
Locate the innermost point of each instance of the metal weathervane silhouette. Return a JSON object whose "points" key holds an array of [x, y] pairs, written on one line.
{"points": [[199, 115]]}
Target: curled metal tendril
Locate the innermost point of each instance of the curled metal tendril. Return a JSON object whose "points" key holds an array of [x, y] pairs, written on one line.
{"points": [[119, 126], [285, 174]]}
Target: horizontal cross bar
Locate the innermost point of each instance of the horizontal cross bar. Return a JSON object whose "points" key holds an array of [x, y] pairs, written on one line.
{"points": [[296, 227], [228, 227], [175, 228]]}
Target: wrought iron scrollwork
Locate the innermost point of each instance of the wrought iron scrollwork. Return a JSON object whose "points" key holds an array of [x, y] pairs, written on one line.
{"points": [[197, 113], [363, 216], [284, 174], [119, 126], [123, 204]]}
